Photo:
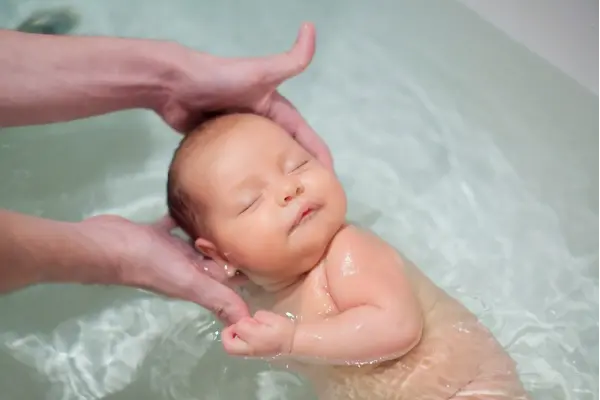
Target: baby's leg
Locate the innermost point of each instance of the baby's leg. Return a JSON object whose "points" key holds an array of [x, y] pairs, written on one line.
{"points": [[488, 394], [498, 380]]}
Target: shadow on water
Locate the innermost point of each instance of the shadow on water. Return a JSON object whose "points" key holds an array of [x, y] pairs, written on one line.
{"points": [[54, 21]]}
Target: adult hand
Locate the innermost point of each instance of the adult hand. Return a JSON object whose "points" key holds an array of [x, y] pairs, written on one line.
{"points": [[209, 83], [150, 257], [53, 78]]}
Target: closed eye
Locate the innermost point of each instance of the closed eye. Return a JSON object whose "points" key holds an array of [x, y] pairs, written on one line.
{"points": [[301, 165], [249, 206]]}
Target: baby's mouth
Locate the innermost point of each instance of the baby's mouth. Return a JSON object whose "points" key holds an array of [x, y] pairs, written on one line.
{"points": [[304, 214]]}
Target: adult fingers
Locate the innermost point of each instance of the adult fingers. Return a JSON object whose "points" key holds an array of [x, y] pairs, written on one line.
{"points": [[227, 305], [208, 266], [279, 67], [285, 114], [165, 223], [315, 145], [211, 268]]}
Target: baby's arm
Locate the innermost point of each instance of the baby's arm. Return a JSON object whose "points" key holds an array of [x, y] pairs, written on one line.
{"points": [[380, 318]]}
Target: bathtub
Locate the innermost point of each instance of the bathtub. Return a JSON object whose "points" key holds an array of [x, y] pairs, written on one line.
{"points": [[466, 150]]}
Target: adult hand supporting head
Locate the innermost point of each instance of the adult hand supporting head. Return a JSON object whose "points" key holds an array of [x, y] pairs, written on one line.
{"points": [[206, 83], [150, 257], [54, 78]]}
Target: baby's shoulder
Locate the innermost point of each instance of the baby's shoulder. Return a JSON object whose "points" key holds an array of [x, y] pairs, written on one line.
{"points": [[360, 245]]}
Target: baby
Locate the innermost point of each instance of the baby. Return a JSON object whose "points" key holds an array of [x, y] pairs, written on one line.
{"points": [[337, 301]]}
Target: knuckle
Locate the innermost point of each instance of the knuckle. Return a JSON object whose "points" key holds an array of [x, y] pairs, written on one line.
{"points": [[219, 312]]}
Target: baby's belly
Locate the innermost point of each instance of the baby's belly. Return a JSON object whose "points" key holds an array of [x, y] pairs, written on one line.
{"points": [[448, 358]]}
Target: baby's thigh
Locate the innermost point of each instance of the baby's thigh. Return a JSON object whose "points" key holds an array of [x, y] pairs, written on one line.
{"points": [[498, 380], [487, 393]]}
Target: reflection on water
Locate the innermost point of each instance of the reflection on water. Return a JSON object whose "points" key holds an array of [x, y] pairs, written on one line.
{"points": [[463, 150], [168, 345], [101, 354]]}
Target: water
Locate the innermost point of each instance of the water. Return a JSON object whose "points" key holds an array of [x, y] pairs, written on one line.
{"points": [[463, 149]]}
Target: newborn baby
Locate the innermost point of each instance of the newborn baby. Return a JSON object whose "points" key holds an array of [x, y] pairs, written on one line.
{"points": [[336, 301]]}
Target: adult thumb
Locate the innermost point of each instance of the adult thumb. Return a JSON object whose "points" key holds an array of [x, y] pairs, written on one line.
{"points": [[277, 68]]}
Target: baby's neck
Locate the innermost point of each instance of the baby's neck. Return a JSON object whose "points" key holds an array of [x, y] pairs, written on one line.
{"points": [[285, 285]]}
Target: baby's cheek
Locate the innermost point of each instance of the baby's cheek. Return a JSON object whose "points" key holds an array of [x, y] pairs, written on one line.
{"points": [[254, 250], [329, 180]]}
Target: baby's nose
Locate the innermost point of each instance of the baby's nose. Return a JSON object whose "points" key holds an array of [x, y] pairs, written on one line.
{"points": [[291, 190]]}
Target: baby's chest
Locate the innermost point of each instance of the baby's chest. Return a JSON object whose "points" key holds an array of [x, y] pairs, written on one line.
{"points": [[311, 301]]}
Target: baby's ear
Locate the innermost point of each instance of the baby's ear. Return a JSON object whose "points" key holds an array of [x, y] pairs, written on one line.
{"points": [[231, 273], [207, 248]]}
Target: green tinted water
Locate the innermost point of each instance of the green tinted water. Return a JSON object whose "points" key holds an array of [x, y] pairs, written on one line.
{"points": [[460, 147]]}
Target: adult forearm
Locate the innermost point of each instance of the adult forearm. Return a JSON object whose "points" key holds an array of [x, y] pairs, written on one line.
{"points": [[47, 78], [36, 250]]}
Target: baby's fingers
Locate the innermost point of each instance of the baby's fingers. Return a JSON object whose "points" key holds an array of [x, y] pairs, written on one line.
{"points": [[234, 344], [248, 329]]}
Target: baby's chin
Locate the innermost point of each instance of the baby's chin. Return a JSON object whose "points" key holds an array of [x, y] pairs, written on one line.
{"points": [[284, 266]]}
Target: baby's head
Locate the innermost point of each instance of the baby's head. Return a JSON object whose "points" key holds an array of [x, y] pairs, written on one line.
{"points": [[253, 199]]}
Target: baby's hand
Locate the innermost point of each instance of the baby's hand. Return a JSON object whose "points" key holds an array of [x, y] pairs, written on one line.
{"points": [[265, 335]]}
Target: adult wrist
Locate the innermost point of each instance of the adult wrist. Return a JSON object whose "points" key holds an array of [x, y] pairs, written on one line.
{"points": [[158, 66], [147, 72], [71, 253], [83, 258]]}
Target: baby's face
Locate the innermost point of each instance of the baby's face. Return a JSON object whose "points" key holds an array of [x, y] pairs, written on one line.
{"points": [[271, 209]]}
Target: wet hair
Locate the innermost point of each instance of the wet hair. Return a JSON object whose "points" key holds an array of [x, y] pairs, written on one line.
{"points": [[187, 212], [182, 208]]}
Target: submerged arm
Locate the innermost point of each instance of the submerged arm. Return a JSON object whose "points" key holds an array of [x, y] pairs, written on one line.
{"points": [[47, 78], [379, 316]]}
